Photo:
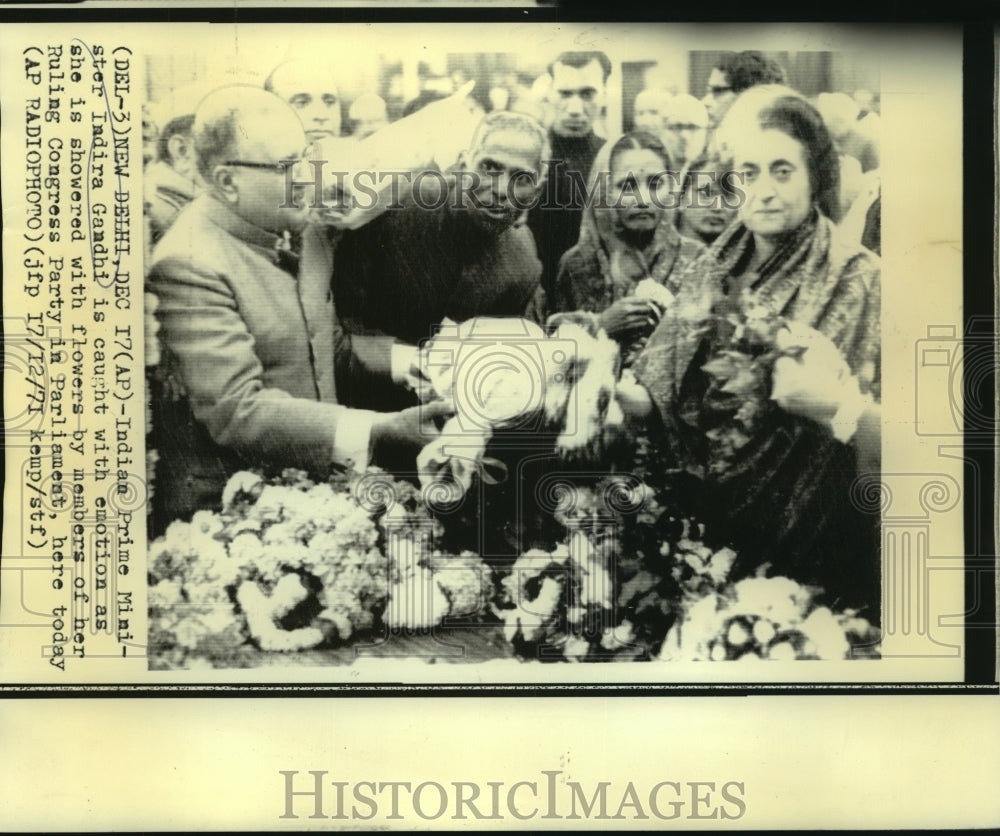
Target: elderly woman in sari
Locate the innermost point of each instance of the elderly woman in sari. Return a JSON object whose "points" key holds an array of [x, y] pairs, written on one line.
{"points": [[762, 379], [625, 266]]}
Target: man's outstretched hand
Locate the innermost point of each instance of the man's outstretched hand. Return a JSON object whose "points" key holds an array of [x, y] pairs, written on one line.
{"points": [[397, 437]]}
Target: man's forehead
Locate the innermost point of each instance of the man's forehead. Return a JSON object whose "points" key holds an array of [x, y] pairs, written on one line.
{"points": [[297, 77], [276, 132], [508, 141], [589, 75]]}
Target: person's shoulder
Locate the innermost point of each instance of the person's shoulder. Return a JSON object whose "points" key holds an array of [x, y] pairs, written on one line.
{"points": [[193, 241], [690, 248], [852, 261], [166, 202], [176, 239], [422, 198], [429, 189], [579, 260], [194, 217]]}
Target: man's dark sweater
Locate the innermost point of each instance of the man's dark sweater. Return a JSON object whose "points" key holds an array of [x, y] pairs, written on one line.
{"points": [[411, 267], [401, 274]]}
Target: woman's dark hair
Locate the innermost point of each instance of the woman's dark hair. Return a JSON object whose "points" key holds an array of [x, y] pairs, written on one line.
{"points": [[641, 141], [794, 116]]}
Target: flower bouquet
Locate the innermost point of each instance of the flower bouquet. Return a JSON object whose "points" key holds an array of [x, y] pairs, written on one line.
{"points": [[509, 378], [290, 565], [633, 579], [605, 591], [767, 618]]}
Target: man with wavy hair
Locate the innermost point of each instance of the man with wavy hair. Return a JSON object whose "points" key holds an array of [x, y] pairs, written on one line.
{"points": [[733, 73]]}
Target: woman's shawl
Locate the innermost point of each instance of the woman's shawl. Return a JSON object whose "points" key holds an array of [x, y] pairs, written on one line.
{"points": [[776, 484], [602, 267]]}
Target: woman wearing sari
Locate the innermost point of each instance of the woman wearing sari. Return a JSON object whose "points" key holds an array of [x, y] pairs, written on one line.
{"points": [[627, 236], [762, 378], [708, 201]]}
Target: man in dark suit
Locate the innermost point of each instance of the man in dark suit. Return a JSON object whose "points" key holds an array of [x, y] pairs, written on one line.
{"points": [[576, 98], [249, 333]]}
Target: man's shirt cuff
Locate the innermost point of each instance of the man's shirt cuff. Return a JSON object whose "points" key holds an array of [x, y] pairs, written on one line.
{"points": [[402, 359], [352, 439]]}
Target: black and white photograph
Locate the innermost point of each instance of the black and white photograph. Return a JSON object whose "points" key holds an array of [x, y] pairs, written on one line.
{"points": [[538, 356], [435, 419]]}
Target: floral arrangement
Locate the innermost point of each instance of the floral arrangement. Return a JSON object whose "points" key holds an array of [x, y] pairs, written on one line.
{"points": [[559, 605], [290, 565], [605, 590], [608, 562], [509, 374], [740, 377], [633, 579], [766, 618]]}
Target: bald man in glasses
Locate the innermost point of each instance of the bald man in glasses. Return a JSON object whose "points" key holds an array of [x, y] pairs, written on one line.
{"points": [[251, 343]]}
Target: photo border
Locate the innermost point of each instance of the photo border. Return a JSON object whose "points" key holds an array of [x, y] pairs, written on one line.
{"points": [[979, 235]]}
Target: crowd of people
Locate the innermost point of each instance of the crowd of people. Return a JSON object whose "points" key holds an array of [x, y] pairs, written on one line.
{"points": [[291, 340]]}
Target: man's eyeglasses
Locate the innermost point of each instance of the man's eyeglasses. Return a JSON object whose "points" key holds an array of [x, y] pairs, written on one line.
{"points": [[279, 168]]}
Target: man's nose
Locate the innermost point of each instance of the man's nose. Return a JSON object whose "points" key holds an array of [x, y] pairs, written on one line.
{"points": [[574, 104], [496, 186]]}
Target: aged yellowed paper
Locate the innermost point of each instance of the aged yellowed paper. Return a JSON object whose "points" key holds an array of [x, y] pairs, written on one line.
{"points": [[487, 752]]}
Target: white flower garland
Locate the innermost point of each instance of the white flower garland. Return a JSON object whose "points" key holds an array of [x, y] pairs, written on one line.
{"points": [[280, 550]]}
